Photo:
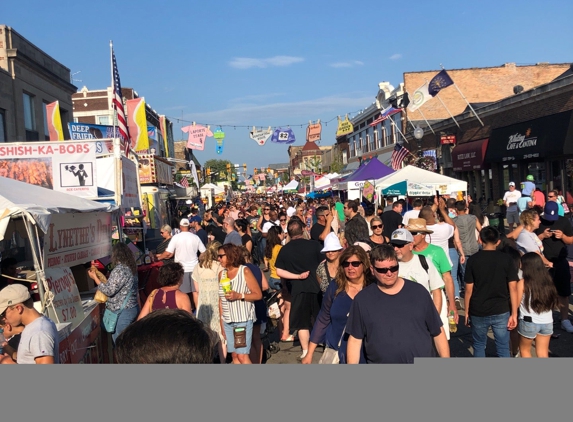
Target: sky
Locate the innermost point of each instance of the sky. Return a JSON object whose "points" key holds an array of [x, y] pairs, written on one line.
{"points": [[236, 65]]}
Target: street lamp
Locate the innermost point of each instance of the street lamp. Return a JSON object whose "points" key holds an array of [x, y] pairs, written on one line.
{"points": [[359, 154], [419, 134]]}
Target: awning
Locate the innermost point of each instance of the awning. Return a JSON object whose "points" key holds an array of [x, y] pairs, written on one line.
{"points": [[469, 156], [351, 166], [549, 136]]}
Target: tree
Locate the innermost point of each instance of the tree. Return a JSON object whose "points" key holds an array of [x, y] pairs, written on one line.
{"points": [[336, 166], [219, 172]]}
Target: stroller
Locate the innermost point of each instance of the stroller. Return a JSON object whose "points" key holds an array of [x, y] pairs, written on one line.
{"points": [[273, 303]]}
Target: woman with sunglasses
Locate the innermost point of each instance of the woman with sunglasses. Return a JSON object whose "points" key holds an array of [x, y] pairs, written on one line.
{"points": [[283, 221], [352, 276], [237, 305], [377, 227]]}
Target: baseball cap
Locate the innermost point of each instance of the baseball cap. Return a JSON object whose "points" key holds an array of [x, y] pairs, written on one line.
{"points": [[13, 295], [511, 183], [331, 243], [184, 222], [195, 219], [551, 211], [530, 178], [401, 237]]}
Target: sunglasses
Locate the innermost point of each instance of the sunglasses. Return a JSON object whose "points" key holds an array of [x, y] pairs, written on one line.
{"points": [[379, 226], [394, 245], [221, 256], [282, 219], [267, 209], [416, 233], [386, 269], [355, 264]]}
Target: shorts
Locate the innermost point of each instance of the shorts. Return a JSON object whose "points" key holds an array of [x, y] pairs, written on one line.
{"points": [[561, 275], [304, 310], [275, 283], [512, 217], [530, 329], [230, 337], [187, 286]]}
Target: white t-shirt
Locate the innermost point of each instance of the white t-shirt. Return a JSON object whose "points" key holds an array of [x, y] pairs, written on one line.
{"points": [[408, 215], [268, 225], [431, 280], [291, 211], [510, 197], [542, 318], [184, 246], [39, 338], [440, 237]]}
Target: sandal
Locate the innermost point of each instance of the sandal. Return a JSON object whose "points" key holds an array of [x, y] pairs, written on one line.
{"points": [[289, 339]]}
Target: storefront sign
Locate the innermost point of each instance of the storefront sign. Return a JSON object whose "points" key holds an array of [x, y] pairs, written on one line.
{"points": [[538, 138], [62, 166], [77, 238], [83, 131], [448, 139], [152, 170], [67, 303], [469, 156]]}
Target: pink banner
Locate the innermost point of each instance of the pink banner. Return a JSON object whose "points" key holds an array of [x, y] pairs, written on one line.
{"points": [[196, 135]]}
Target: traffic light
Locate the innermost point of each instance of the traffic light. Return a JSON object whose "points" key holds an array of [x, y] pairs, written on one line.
{"points": [[255, 170], [244, 168], [208, 171], [228, 167]]}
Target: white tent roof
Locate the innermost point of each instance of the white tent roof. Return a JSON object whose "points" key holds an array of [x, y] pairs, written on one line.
{"points": [[418, 175], [218, 189], [293, 184], [322, 182], [40, 203]]}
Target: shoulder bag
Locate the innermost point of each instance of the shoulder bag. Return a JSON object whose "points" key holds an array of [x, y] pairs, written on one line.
{"points": [[110, 317], [330, 356]]}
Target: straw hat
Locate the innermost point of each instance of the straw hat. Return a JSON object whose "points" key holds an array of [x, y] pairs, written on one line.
{"points": [[418, 225]]}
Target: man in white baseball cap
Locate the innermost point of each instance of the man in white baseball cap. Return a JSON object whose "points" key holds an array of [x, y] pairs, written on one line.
{"points": [[39, 342]]}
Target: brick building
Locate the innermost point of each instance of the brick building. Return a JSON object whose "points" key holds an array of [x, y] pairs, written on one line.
{"points": [[29, 80]]}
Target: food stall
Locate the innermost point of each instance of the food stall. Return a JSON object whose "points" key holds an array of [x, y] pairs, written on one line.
{"points": [[61, 233]]}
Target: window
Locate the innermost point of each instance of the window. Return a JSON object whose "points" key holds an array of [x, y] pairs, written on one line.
{"points": [[103, 120], [2, 125], [29, 117], [46, 129]]}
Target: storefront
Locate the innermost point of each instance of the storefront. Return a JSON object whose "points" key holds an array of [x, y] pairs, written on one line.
{"points": [[541, 147], [468, 161]]}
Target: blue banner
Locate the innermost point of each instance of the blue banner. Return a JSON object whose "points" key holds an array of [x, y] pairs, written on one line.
{"points": [[81, 131]]}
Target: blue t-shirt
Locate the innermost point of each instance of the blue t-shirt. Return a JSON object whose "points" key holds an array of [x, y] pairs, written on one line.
{"points": [[527, 188], [394, 328], [331, 321]]}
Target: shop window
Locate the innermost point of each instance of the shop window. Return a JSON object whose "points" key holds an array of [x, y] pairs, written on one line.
{"points": [[29, 116], [103, 120]]}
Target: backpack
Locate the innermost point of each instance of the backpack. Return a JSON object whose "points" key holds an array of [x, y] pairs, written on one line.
{"points": [[424, 263]]}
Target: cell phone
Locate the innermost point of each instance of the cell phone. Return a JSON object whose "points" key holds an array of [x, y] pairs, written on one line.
{"points": [[438, 194]]}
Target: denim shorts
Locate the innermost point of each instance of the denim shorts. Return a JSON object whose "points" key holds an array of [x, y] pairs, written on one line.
{"points": [[275, 283], [530, 329], [230, 338]]}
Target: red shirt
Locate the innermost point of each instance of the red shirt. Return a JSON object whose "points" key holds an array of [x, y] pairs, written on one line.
{"points": [[539, 198]]}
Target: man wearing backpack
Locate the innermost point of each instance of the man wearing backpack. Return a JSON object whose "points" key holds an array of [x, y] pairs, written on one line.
{"points": [[417, 268]]}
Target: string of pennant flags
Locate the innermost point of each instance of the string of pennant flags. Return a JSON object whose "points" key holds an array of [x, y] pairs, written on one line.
{"points": [[197, 133]]}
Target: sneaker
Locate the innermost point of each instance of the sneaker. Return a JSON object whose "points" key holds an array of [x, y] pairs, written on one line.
{"points": [[301, 357], [567, 326], [458, 304]]}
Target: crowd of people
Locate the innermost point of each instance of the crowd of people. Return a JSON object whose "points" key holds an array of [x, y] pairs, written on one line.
{"points": [[366, 285]]}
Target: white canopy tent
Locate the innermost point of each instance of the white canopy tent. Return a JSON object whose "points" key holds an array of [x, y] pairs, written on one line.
{"points": [[445, 184], [292, 185], [216, 189]]}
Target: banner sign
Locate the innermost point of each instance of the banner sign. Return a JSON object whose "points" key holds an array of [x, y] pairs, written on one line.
{"points": [[313, 131], [54, 121], [153, 136], [152, 170], [83, 131], [219, 135], [67, 301], [77, 238], [368, 191], [65, 166], [137, 124], [448, 139], [261, 136], [130, 191], [283, 136], [344, 127], [83, 344], [196, 135], [163, 130]]}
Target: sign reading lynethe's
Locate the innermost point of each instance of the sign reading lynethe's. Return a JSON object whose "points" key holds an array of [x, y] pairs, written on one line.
{"points": [[77, 238]]}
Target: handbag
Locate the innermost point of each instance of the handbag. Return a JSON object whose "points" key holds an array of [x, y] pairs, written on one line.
{"points": [[330, 356], [110, 317]]}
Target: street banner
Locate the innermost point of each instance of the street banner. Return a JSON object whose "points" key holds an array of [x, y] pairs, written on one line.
{"points": [[163, 129], [129, 192], [368, 191], [82, 131], [344, 127], [67, 303], [54, 121], [261, 136], [137, 124], [153, 136], [219, 136], [77, 238], [196, 135], [313, 131], [194, 173], [65, 167], [283, 136]]}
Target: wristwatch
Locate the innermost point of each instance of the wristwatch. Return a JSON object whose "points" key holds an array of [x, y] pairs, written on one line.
{"points": [[242, 297]]}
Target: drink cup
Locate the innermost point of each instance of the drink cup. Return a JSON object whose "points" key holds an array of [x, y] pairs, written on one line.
{"points": [[226, 285]]}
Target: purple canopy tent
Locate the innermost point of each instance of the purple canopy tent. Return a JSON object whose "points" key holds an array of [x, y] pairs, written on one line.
{"points": [[370, 171]]}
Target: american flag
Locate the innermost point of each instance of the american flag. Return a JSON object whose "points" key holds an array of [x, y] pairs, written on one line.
{"points": [[118, 105], [398, 156], [184, 182]]}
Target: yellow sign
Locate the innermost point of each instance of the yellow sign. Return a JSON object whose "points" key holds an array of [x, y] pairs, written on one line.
{"points": [[344, 127]]}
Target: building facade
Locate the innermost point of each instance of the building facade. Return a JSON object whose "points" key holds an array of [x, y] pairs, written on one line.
{"points": [[29, 80]]}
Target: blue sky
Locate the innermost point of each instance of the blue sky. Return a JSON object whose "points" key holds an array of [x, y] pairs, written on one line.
{"points": [[261, 63]]}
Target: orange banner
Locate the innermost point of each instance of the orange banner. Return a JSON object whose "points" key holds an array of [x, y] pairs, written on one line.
{"points": [[137, 124], [54, 121]]}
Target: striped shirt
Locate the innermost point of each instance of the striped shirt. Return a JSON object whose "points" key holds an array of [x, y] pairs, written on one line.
{"points": [[238, 310]]}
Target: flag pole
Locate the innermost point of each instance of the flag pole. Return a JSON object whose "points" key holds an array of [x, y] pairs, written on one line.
{"points": [[466, 100], [438, 97], [426, 120], [114, 113]]}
